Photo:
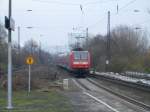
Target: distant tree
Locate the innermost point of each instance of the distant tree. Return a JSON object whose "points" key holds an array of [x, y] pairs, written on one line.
{"points": [[3, 48], [96, 47], [2, 34], [31, 46], [128, 48]]}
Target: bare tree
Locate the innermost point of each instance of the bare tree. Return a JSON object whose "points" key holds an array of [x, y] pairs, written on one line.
{"points": [[3, 48], [128, 48]]}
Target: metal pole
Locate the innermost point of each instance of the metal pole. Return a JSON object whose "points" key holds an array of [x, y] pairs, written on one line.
{"points": [[109, 35], [108, 43], [9, 106], [18, 39], [40, 52], [19, 46], [87, 32], [87, 36], [29, 81]]}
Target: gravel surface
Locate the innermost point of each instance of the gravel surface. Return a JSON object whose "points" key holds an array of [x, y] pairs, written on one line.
{"points": [[84, 103], [81, 102], [139, 95]]}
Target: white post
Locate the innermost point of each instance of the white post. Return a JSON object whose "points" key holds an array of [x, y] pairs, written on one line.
{"points": [[9, 78], [29, 80], [65, 84], [9, 94]]}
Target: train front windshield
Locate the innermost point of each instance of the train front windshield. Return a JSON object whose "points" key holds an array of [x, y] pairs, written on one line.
{"points": [[80, 55]]}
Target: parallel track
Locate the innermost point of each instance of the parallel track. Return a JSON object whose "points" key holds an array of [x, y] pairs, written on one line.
{"points": [[124, 83], [126, 98]]}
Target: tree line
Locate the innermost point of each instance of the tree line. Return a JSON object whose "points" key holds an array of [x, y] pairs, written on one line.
{"points": [[129, 50], [19, 54]]}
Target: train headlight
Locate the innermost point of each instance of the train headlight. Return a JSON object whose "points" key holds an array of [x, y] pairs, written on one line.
{"points": [[76, 63], [84, 63]]}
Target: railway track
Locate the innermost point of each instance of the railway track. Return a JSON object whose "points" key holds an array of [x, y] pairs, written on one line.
{"points": [[125, 98], [131, 100], [125, 83]]}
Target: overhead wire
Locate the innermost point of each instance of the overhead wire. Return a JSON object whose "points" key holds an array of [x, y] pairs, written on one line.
{"points": [[88, 3], [92, 25], [114, 14], [57, 2], [126, 5], [96, 2], [72, 3], [122, 8]]}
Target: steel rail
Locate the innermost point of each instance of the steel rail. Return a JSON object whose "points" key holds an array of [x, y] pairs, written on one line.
{"points": [[139, 86], [126, 98]]}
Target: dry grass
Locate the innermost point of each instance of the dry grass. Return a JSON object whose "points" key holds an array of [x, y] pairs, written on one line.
{"points": [[41, 77]]}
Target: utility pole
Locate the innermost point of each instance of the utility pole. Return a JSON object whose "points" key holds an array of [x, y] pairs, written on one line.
{"points": [[108, 44], [19, 45], [87, 32], [18, 39], [87, 35], [9, 106], [40, 52]]}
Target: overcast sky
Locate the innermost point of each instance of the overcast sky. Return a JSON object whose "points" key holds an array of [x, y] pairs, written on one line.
{"points": [[52, 20]]}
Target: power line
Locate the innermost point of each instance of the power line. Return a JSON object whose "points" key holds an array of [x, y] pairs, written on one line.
{"points": [[100, 2], [92, 25], [114, 14], [123, 7], [126, 5], [73, 4], [57, 2], [88, 3]]}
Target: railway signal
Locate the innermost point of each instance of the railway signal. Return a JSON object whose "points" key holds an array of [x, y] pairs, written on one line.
{"points": [[9, 23], [29, 61]]}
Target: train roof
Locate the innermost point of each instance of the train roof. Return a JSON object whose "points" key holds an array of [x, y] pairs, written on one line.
{"points": [[78, 49]]}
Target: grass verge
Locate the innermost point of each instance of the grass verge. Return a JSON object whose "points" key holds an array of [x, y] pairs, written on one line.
{"points": [[36, 101]]}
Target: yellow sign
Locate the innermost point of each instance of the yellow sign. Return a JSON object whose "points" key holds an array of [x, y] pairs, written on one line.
{"points": [[30, 60]]}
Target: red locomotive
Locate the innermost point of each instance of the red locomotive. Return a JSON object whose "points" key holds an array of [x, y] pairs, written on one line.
{"points": [[78, 61]]}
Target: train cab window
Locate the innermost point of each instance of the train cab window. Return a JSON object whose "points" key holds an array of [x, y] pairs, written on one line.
{"points": [[84, 55], [78, 55]]}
